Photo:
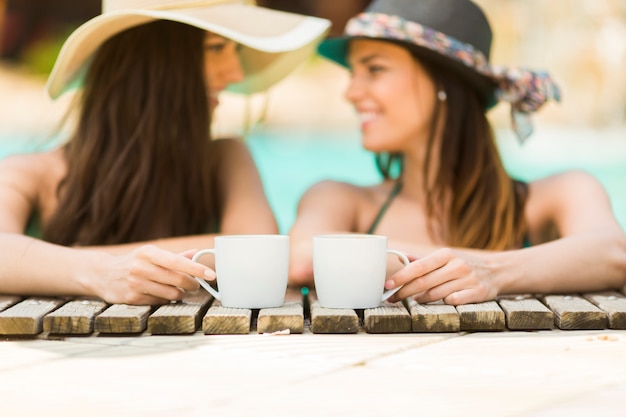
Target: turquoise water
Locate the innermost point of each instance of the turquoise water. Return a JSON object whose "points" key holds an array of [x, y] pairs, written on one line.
{"points": [[291, 160]]}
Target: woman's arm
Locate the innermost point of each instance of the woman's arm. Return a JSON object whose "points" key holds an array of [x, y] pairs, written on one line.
{"points": [[148, 275], [589, 255], [591, 251]]}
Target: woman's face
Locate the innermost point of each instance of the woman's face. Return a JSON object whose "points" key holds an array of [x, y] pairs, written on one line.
{"points": [[221, 66], [392, 94]]}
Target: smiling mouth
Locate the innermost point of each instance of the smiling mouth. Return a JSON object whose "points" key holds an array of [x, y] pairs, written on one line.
{"points": [[368, 117]]}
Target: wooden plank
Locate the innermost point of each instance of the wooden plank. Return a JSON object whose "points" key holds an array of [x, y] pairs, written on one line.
{"points": [[575, 313], [331, 320], [7, 301], [524, 312], [123, 319], [289, 317], [226, 320], [183, 317], [487, 316], [286, 319], [387, 318], [433, 317], [74, 317], [26, 317], [613, 304]]}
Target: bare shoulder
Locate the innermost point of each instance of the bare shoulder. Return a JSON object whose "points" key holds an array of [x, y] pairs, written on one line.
{"points": [[573, 200], [568, 186], [27, 183], [337, 190], [34, 166]]}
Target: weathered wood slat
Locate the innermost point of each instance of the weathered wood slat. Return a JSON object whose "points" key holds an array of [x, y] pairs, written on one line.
{"points": [[74, 317], [526, 313], [487, 316], [387, 318], [575, 313], [184, 317], [226, 320], [123, 319], [26, 317], [613, 304], [288, 317], [433, 318], [333, 320], [7, 301]]}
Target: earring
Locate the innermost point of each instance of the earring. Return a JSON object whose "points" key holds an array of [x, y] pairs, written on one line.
{"points": [[441, 95]]}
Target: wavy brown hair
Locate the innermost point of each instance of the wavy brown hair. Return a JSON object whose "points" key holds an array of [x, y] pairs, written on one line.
{"points": [[139, 163], [485, 206]]}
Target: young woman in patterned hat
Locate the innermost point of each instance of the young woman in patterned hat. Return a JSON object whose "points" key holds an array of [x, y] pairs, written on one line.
{"points": [[422, 83]]}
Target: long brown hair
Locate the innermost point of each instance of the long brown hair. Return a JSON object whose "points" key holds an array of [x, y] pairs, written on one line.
{"points": [[139, 162], [485, 207]]}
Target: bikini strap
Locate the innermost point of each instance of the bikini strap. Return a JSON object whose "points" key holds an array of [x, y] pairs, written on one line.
{"points": [[383, 209]]}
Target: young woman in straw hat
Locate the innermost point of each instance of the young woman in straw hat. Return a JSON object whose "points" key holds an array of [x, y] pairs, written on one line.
{"points": [[421, 82], [139, 184]]}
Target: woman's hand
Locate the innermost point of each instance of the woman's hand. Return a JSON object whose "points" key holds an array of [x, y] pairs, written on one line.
{"points": [[148, 275], [446, 274]]}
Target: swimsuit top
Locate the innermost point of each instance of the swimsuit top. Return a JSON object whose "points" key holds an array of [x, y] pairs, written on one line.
{"points": [[394, 192], [33, 228]]}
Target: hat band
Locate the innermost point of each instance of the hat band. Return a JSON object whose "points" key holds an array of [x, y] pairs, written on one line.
{"points": [[379, 25], [112, 5], [526, 90]]}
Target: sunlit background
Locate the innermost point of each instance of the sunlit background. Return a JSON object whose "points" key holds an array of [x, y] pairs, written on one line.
{"points": [[302, 130]]}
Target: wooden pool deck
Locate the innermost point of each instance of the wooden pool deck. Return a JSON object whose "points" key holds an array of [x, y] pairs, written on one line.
{"points": [[46, 317], [475, 362]]}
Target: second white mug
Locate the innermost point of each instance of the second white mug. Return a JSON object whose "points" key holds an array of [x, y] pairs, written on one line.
{"points": [[349, 270]]}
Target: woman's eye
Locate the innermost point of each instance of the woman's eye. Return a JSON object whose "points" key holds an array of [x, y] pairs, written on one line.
{"points": [[373, 69], [215, 47]]}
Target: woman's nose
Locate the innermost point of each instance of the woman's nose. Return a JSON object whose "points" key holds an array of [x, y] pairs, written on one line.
{"points": [[354, 91], [233, 69]]}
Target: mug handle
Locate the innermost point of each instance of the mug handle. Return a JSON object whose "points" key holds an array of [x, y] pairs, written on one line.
{"points": [[405, 261], [202, 282]]}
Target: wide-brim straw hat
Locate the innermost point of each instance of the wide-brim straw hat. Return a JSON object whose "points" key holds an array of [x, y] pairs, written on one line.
{"points": [[272, 42]]}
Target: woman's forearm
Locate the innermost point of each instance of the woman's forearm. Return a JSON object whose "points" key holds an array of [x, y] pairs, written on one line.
{"points": [[585, 262], [31, 266], [591, 261]]}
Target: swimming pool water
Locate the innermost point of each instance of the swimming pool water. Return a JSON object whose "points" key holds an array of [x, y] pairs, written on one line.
{"points": [[291, 160]]}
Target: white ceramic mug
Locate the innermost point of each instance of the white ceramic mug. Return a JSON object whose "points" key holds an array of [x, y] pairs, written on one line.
{"points": [[252, 270], [349, 270]]}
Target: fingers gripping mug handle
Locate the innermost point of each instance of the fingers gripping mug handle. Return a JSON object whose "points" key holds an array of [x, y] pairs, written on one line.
{"points": [[202, 282], [405, 261]]}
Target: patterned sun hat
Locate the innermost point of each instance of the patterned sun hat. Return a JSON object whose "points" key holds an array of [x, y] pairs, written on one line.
{"points": [[457, 35]]}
